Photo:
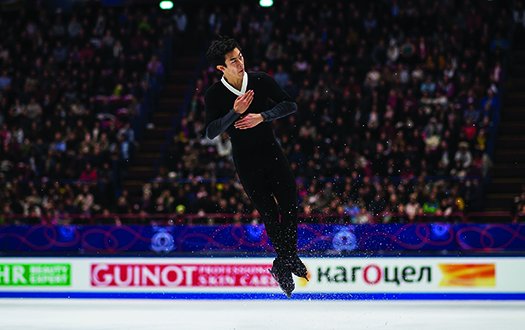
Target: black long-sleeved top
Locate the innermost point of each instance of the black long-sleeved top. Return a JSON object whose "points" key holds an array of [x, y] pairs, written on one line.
{"points": [[220, 115]]}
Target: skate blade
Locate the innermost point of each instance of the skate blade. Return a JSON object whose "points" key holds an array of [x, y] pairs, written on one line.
{"points": [[288, 294], [307, 277]]}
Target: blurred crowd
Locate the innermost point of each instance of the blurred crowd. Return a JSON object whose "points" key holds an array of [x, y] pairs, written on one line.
{"points": [[396, 106], [519, 201], [71, 86]]}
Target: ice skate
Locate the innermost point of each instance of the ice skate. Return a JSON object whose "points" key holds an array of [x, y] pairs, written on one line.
{"points": [[282, 274], [298, 268]]}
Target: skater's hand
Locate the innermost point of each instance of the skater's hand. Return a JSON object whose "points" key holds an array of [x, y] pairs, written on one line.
{"points": [[242, 103], [251, 120]]}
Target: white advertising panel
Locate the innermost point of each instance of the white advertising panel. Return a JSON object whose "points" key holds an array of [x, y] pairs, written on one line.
{"points": [[335, 278]]}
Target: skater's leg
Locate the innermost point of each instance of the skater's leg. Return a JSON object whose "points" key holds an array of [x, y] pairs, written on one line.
{"points": [[260, 194], [255, 183], [285, 192], [284, 189]]}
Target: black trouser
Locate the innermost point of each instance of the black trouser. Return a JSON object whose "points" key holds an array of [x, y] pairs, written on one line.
{"points": [[268, 181]]}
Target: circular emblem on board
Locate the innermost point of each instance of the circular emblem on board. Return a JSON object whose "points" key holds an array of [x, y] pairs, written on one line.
{"points": [[344, 240], [162, 241]]}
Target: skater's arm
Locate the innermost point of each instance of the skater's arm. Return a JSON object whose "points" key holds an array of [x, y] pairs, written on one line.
{"points": [[218, 124], [221, 124], [285, 103], [280, 110]]}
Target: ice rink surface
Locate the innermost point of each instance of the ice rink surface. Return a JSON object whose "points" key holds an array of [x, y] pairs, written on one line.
{"points": [[58, 314]]}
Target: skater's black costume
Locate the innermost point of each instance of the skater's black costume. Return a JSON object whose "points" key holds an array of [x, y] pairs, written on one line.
{"points": [[261, 165]]}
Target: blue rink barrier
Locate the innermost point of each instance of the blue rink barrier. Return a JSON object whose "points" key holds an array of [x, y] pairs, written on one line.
{"points": [[266, 296], [235, 239]]}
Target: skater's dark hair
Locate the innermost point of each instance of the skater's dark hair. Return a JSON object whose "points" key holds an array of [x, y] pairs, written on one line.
{"points": [[219, 48]]}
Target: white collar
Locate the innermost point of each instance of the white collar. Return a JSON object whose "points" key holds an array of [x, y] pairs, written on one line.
{"points": [[233, 89]]}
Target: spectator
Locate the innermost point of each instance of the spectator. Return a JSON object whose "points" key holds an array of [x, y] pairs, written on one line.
{"points": [[377, 105]]}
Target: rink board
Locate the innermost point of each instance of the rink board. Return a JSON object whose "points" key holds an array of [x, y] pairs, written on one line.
{"points": [[248, 278]]}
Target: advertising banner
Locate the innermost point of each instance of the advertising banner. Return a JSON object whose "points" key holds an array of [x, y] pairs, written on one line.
{"points": [[313, 238], [248, 278], [38, 274]]}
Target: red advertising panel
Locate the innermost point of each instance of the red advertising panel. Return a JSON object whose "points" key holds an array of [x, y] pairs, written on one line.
{"points": [[181, 275]]}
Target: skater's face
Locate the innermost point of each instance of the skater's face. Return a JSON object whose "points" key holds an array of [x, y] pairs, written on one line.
{"points": [[234, 65]]}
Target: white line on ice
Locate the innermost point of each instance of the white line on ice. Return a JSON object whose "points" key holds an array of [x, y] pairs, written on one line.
{"points": [[62, 314]]}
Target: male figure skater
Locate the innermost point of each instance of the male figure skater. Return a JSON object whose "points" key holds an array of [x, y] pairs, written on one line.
{"points": [[240, 105]]}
